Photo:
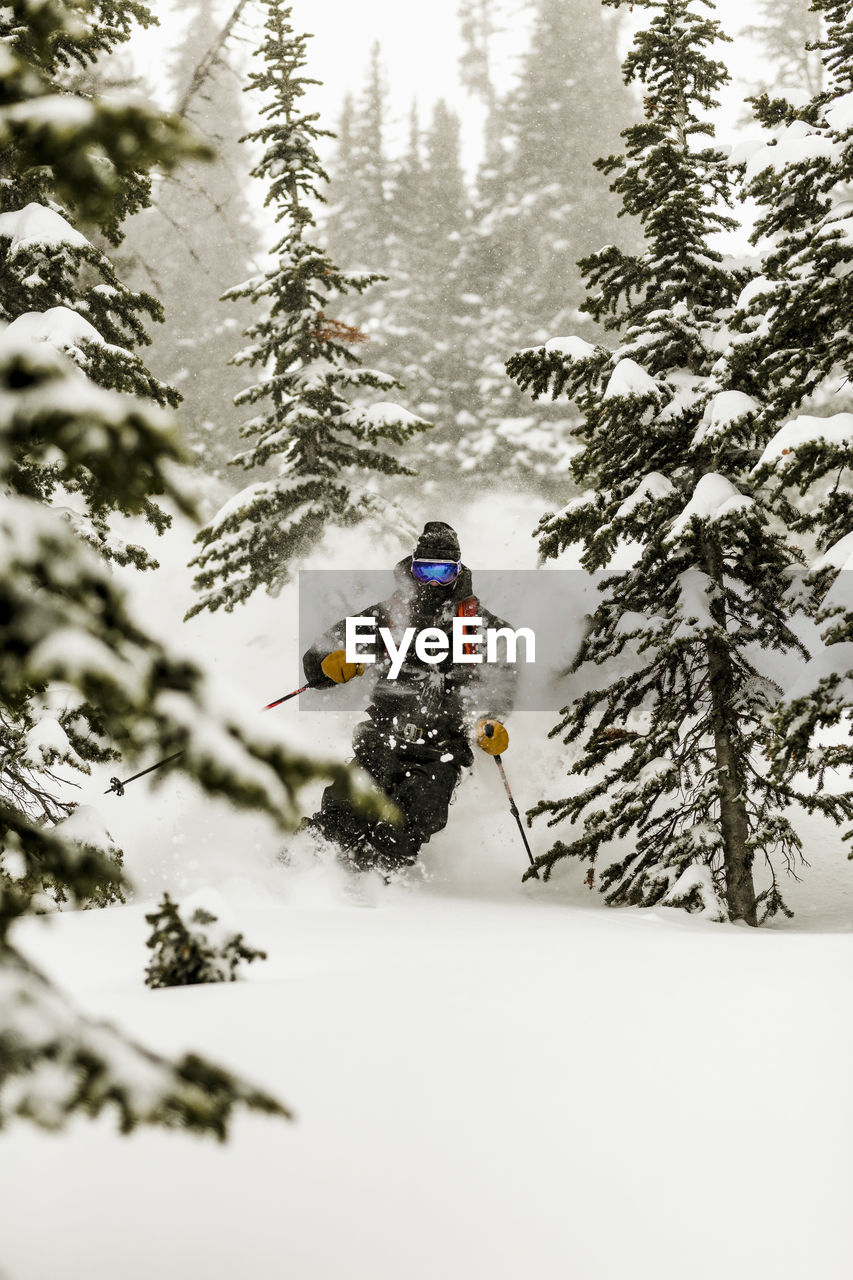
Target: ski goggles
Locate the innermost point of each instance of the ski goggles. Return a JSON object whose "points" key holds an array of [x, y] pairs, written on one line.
{"points": [[436, 573]]}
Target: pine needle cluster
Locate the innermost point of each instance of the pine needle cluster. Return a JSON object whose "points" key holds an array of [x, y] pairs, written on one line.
{"points": [[187, 948]]}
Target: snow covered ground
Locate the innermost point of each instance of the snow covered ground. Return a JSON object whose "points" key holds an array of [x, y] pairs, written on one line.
{"points": [[485, 1086], [490, 1079]]}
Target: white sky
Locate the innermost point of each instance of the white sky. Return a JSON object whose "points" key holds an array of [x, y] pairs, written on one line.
{"points": [[420, 44]]}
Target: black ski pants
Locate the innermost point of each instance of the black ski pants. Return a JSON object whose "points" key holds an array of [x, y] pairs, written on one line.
{"points": [[421, 785]]}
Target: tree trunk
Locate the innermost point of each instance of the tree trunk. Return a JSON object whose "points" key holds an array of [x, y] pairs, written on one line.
{"points": [[734, 822], [209, 60]]}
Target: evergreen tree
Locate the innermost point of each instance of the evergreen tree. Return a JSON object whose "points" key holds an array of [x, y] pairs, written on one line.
{"points": [[323, 447], [481, 23], [369, 163], [342, 217], [56, 283], [50, 269], [359, 226], [413, 223], [427, 338], [441, 287], [477, 27], [57, 287], [795, 342], [65, 629], [197, 238], [505, 273], [190, 944], [358, 229], [540, 205], [102, 192], [396, 318], [563, 112], [408, 213], [671, 713]]}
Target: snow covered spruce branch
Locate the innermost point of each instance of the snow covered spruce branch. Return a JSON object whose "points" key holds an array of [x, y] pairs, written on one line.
{"points": [[55, 1063], [672, 713]]}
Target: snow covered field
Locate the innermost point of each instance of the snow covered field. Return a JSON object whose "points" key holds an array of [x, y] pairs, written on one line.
{"points": [[489, 1086], [489, 1079]]}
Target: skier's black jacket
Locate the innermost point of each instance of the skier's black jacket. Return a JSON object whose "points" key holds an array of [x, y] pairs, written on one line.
{"points": [[429, 705]]}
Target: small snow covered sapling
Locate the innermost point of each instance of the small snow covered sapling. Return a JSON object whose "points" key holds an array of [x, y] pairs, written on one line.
{"points": [[190, 944]]}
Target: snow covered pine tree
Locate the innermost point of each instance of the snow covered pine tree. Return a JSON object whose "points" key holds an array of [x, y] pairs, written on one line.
{"points": [[796, 322], [357, 226], [65, 631], [57, 288], [426, 328], [410, 214], [672, 715], [320, 443]]}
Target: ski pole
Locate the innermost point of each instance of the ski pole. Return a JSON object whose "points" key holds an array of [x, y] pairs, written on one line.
{"points": [[513, 807], [286, 698], [118, 786]]}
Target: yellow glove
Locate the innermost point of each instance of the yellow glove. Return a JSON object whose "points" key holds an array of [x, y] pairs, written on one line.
{"points": [[336, 667], [492, 737]]}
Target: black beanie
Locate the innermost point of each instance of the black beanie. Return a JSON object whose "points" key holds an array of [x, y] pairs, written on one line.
{"points": [[437, 542]]}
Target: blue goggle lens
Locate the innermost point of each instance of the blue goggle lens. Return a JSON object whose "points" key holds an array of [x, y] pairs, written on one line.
{"points": [[439, 573]]}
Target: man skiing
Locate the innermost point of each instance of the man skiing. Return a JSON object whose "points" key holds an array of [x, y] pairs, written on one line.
{"points": [[415, 741]]}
